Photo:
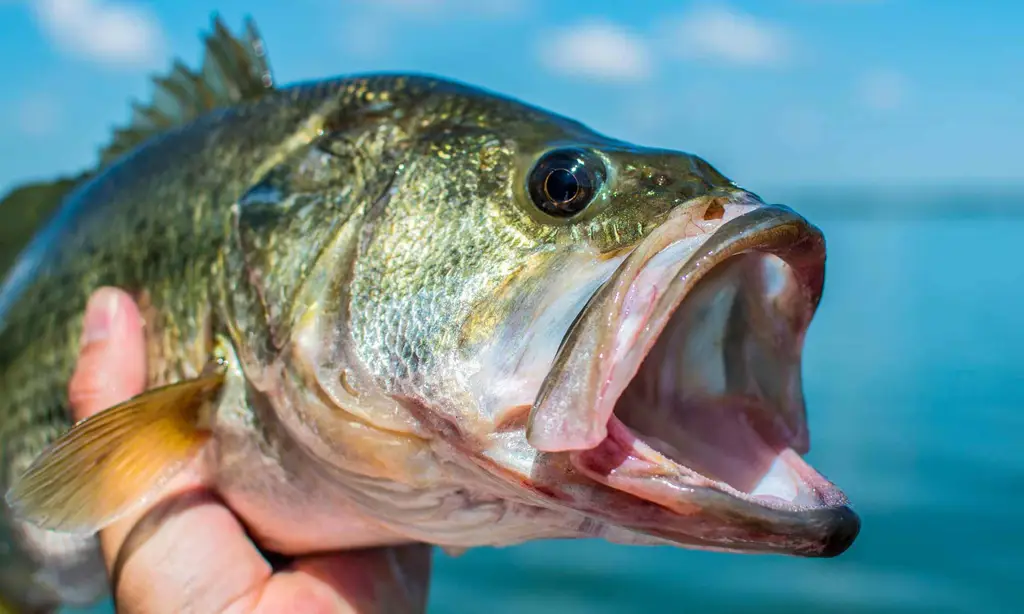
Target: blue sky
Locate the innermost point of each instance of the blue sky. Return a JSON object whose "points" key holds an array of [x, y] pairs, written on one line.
{"points": [[774, 93]]}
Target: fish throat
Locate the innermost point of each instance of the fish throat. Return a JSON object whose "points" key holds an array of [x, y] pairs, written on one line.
{"points": [[720, 392]]}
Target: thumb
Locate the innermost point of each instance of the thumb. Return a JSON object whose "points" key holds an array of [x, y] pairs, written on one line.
{"points": [[112, 358]]}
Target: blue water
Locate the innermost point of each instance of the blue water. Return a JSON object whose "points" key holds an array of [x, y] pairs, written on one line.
{"points": [[915, 388]]}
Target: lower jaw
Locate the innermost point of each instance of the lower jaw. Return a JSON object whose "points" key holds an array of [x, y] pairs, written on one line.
{"points": [[783, 481], [719, 392], [701, 513], [734, 457], [711, 425]]}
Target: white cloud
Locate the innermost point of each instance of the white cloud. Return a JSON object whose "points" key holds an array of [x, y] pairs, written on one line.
{"points": [[882, 90], [116, 34], [596, 50], [37, 115], [369, 31], [717, 33]]}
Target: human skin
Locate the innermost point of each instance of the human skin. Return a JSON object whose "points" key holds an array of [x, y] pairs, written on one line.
{"points": [[185, 550]]}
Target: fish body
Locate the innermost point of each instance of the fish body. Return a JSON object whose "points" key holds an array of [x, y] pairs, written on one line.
{"points": [[395, 307]]}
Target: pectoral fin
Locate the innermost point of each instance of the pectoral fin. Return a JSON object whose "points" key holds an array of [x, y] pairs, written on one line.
{"points": [[110, 463]]}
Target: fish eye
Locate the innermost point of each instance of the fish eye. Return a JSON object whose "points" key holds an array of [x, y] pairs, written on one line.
{"points": [[564, 181]]}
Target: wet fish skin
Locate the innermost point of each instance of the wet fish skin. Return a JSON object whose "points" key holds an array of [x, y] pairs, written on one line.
{"points": [[362, 263], [416, 289], [429, 161]]}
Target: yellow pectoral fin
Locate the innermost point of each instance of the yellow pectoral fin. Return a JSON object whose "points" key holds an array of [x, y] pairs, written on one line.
{"points": [[110, 463]]}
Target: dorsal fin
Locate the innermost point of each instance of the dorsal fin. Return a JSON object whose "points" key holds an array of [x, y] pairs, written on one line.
{"points": [[234, 70]]}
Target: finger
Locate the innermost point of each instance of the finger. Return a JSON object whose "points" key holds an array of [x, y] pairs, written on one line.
{"points": [[382, 580], [112, 362], [393, 579], [192, 554], [185, 553], [111, 369], [186, 550]]}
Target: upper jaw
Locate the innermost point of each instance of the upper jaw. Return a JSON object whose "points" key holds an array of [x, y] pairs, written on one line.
{"points": [[680, 385], [624, 319]]}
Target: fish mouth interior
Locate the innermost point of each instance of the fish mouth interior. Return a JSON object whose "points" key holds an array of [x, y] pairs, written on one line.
{"points": [[719, 392], [680, 389]]}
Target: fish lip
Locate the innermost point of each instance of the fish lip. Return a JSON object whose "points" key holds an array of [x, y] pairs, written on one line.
{"points": [[554, 425], [702, 514]]}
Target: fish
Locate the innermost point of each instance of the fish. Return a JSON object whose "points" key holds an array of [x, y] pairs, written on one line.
{"points": [[391, 308]]}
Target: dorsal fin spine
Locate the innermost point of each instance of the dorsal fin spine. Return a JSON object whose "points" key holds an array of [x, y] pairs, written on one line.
{"points": [[233, 70]]}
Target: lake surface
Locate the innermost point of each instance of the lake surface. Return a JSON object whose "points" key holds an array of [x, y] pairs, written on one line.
{"points": [[914, 378]]}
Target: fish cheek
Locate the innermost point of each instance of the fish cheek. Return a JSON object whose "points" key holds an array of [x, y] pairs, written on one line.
{"points": [[440, 245], [283, 223], [326, 175]]}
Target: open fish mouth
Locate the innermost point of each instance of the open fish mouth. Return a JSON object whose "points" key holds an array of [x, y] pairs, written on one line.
{"points": [[680, 384]]}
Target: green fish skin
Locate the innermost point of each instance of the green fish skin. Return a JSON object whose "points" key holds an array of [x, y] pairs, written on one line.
{"points": [[392, 308]]}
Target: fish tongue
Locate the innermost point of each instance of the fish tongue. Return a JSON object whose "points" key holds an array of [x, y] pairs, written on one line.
{"points": [[636, 466], [625, 463], [714, 437]]}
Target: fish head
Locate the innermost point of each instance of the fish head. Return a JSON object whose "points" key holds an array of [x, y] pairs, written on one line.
{"points": [[615, 331], [678, 384]]}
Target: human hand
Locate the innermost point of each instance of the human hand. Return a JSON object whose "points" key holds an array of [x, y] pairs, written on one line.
{"points": [[185, 550]]}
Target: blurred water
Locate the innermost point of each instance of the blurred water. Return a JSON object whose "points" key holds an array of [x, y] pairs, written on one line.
{"points": [[915, 390]]}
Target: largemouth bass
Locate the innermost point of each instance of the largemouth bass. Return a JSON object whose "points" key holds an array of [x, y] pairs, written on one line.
{"points": [[393, 308]]}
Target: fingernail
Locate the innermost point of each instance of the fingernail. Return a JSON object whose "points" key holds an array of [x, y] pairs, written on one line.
{"points": [[100, 314]]}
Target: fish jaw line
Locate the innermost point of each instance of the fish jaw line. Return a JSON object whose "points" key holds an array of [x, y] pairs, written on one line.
{"points": [[733, 308], [697, 512]]}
